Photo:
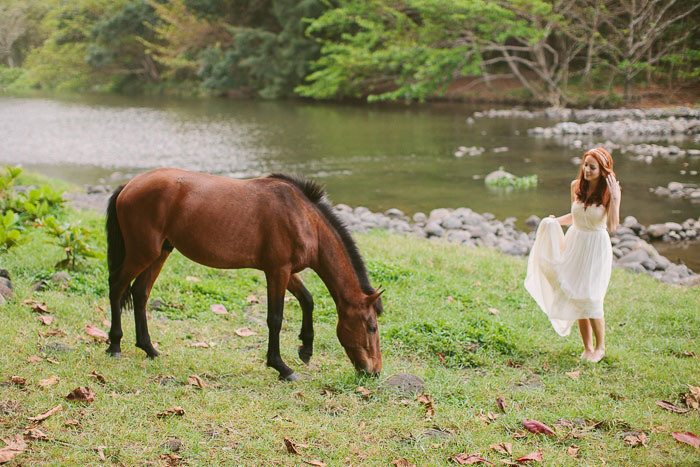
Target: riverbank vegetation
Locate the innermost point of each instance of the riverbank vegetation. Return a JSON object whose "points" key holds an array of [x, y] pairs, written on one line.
{"points": [[568, 53], [457, 317]]}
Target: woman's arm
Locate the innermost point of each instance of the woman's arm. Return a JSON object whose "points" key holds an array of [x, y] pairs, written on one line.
{"points": [[566, 219], [613, 219]]}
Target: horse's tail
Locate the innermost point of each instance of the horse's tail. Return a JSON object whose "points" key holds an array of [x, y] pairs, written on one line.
{"points": [[116, 250]]}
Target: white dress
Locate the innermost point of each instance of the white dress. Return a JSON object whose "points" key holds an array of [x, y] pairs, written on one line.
{"points": [[568, 275]]}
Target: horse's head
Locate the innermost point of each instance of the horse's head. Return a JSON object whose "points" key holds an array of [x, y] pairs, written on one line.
{"points": [[359, 334]]}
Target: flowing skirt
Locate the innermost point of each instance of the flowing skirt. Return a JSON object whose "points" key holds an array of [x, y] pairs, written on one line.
{"points": [[568, 275]]}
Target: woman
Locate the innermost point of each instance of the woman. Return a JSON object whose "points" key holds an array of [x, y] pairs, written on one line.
{"points": [[568, 275]]}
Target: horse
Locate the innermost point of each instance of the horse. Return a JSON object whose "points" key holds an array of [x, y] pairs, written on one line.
{"points": [[280, 224]]}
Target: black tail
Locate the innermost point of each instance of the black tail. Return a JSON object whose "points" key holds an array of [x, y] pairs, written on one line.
{"points": [[116, 251]]}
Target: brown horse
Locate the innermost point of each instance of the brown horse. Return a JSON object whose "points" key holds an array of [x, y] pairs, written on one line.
{"points": [[279, 224]]}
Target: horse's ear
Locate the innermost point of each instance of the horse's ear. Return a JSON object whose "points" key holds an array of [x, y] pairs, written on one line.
{"points": [[371, 299]]}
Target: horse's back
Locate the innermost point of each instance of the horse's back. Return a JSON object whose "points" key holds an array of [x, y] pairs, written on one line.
{"points": [[219, 221]]}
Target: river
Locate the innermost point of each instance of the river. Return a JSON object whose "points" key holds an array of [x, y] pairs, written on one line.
{"points": [[378, 156]]}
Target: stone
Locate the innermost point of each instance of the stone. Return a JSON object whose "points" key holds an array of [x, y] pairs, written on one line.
{"points": [[434, 230], [420, 217], [343, 207], [61, 277], [6, 288], [673, 226], [437, 214], [617, 252], [39, 285], [451, 222], [173, 445], [393, 212], [56, 347], [691, 281], [658, 230], [156, 305], [661, 262], [435, 434], [497, 175], [623, 230], [405, 383], [675, 186], [630, 221], [649, 264], [634, 267], [458, 236]]}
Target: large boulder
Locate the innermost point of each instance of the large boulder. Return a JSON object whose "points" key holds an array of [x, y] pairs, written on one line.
{"points": [[6, 288], [497, 175]]}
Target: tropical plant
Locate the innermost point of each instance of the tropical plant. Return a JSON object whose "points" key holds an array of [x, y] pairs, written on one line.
{"points": [[73, 239]]}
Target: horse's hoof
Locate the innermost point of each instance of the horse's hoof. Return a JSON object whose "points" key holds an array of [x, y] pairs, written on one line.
{"points": [[304, 355], [115, 354], [150, 351], [289, 377]]}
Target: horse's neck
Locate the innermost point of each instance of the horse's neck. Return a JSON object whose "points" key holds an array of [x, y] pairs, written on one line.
{"points": [[335, 268]]}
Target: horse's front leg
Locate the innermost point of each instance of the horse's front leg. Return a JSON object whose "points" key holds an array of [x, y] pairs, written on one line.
{"points": [[276, 285], [306, 301]]}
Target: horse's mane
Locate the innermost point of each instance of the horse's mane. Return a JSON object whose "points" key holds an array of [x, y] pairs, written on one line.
{"points": [[317, 195]]}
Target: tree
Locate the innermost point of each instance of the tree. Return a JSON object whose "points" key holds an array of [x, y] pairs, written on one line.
{"points": [[12, 25]]}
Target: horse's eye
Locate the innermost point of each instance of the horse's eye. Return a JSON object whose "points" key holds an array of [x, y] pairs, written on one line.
{"points": [[371, 328]]}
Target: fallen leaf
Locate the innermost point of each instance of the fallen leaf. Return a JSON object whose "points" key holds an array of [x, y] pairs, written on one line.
{"points": [[513, 364], [72, 422], [18, 381], [692, 399], [245, 332], [196, 381], [171, 459], [494, 311], [292, 447], [106, 323], [427, 401], [617, 397], [99, 377], [668, 406], [442, 359], [687, 438], [218, 308], [45, 319], [252, 299], [101, 452], [501, 403], [15, 446], [503, 448], [35, 434], [96, 333], [34, 359], [315, 463], [689, 353], [171, 411], [193, 279], [402, 462], [81, 394], [202, 345], [635, 439], [466, 459], [573, 374], [53, 333], [364, 392], [50, 381], [533, 426], [533, 456], [492, 416], [52, 360], [519, 434], [572, 450], [450, 299], [47, 414], [40, 308]]}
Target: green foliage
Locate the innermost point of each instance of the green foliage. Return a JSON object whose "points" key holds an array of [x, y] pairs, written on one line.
{"points": [[9, 235], [527, 181], [73, 239]]}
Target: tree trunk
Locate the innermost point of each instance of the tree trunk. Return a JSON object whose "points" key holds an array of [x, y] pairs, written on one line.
{"points": [[627, 88]]}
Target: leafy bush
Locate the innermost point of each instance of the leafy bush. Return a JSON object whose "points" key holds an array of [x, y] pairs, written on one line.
{"points": [[528, 181], [74, 241], [9, 235]]}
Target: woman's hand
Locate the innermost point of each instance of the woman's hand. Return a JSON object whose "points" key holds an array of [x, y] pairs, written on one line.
{"points": [[613, 187]]}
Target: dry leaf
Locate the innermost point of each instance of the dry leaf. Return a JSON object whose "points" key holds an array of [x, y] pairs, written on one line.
{"points": [[503, 448], [99, 377], [34, 359], [635, 439], [47, 414], [218, 308], [573, 374], [519, 434], [171, 411], [364, 392], [72, 422], [617, 397], [40, 308], [315, 463], [513, 364], [193, 279], [101, 452], [466, 459], [196, 381], [45, 319], [687, 438], [15, 446], [692, 399], [202, 345], [245, 332], [96, 333], [171, 459], [50, 381], [494, 311], [533, 426], [402, 462], [252, 299], [572, 450], [294, 448], [52, 360], [427, 401], [501, 403], [668, 406], [81, 394], [442, 359], [53, 333], [533, 456], [450, 299], [35, 434], [18, 381]]}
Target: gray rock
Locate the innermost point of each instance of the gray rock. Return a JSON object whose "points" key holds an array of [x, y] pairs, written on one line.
{"points": [[635, 256], [173, 445], [359, 210], [673, 226], [661, 262], [56, 347], [437, 214], [658, 230], [498, 174], [649, 264], [393, 212], [451, 222], [458, 236], [434, 230], [675, 186], [623, 230], [635, 267], [630, 221], [6, 288], [420, 217], [405, 383], [435, 434], [40, 285], [343, 207], [61, 277]]}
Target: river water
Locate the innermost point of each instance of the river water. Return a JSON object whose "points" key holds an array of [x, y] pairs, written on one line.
{"points": [[378, 156]]}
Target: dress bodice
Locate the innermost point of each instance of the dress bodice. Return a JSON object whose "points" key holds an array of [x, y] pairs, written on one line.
{"points": [[588, 219]]}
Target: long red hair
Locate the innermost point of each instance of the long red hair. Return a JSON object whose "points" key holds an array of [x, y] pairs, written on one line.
{"points": [[601, 195]]}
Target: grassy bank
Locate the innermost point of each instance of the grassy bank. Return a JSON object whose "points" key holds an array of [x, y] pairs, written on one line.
{"points": [[437, 325]]}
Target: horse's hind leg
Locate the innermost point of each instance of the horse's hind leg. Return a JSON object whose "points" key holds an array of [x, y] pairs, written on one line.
{"points": [[141, 291], [276, 284], [118, 286], [306, 301]]}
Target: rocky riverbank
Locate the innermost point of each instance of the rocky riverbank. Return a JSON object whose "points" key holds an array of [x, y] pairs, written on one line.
{"points": [[555, 113], [676, 190]]}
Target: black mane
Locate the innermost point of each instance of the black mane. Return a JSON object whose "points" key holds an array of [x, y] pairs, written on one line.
{"points": [[317, 195]]}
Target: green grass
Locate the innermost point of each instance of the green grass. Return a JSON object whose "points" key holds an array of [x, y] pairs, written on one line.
{"points": [[436, 301]]}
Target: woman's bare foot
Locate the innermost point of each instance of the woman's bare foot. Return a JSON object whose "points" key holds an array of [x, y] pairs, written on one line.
{"points": [[586, 355], [597, 356]]}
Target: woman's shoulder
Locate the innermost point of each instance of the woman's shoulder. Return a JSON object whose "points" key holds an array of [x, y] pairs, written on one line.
{"points": [[574, 182]]}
